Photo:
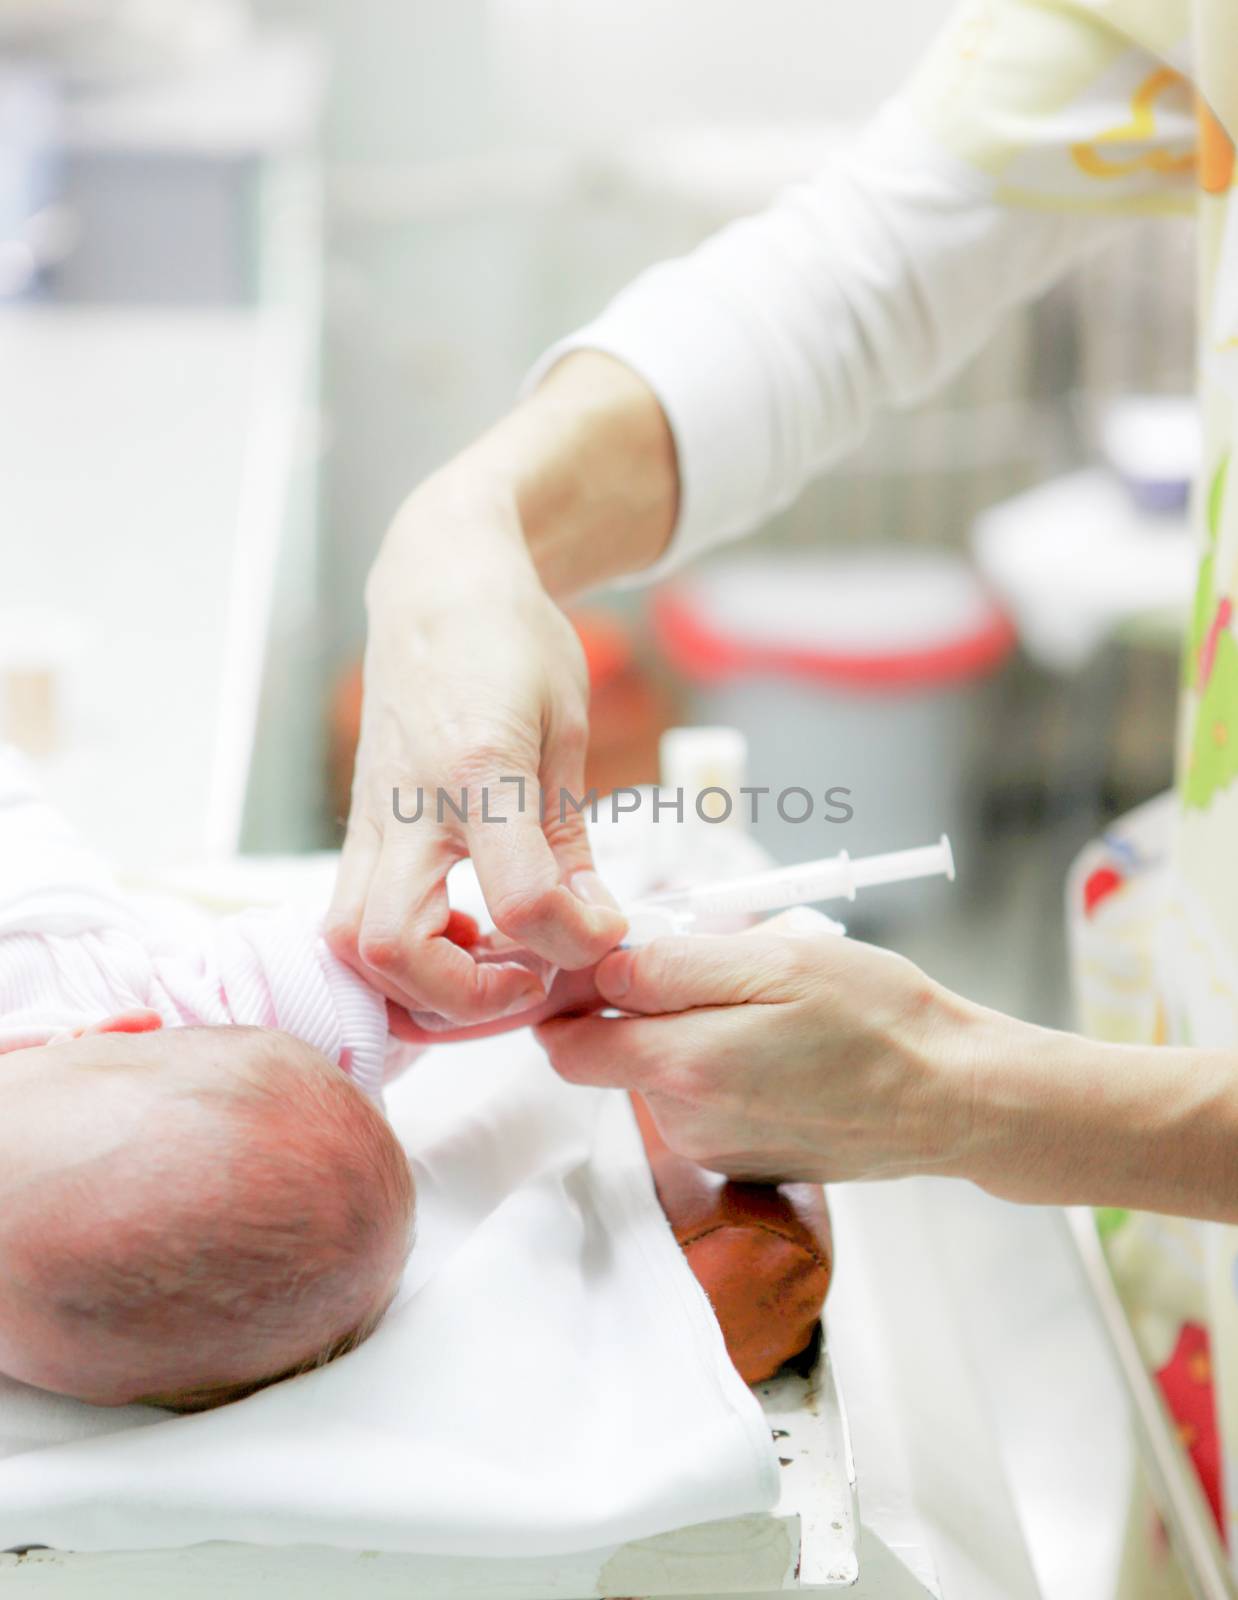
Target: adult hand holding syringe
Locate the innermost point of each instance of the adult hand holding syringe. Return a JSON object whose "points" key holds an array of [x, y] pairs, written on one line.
{"points": [[781, 1051], [683, 911]]}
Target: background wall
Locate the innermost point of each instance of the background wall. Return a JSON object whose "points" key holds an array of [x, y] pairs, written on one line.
{"points": [[474, 211], [480, 208], [604, 70]]}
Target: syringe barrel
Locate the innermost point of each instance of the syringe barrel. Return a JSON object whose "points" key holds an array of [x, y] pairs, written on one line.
{"points": [[771, 891], [898, 866], [838, 877]]}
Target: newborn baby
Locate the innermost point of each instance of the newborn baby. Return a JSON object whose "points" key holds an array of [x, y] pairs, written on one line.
{"points": [[199, 1193]]}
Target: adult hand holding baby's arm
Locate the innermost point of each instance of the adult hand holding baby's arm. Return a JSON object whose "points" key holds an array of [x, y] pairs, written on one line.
{"points": [[787, 1054], [474, 679]]}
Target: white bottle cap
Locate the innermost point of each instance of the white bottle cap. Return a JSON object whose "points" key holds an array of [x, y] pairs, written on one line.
{"points": [[698, 760]]}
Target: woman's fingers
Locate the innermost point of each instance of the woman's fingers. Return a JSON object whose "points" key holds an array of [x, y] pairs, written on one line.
{"points": [[612, 1052], [681, 973], [401, 941], [690, 1066], [358, 858], [522, 879], [567, 805]]}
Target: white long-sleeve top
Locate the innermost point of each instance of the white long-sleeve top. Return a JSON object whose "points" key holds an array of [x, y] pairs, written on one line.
{"points": [[1013, 151]]}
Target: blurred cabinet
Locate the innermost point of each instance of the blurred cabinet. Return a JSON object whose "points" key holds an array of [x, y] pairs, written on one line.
{"points": [[195, 186], [155, 499], [166, 396]]}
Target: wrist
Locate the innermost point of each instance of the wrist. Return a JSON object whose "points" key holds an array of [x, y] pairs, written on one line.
{"points": [[1065, 1120], [1007, 1077], [954, 1055], [1007, 1104], [457, 535], [595, 472], [577, 485]]}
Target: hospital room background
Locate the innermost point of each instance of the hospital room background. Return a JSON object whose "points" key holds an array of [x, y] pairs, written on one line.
{"points": [[263, 266]]}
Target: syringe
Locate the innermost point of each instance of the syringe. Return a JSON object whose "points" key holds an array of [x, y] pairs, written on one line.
{"points": [[835, 878]]}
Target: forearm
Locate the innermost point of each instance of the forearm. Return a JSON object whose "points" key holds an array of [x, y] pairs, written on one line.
{"points": [[1055, 1118], [593, 461], [579, 481]]}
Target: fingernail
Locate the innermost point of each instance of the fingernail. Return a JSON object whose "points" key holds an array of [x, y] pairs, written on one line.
{"points": [[617, 979], [587, 886]]}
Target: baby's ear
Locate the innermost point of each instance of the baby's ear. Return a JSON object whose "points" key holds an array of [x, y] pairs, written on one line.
{"points": [[142, 1021]]}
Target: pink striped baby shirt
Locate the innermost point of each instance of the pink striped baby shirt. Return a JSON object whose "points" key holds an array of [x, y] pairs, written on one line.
{"points": [[75, 949]]}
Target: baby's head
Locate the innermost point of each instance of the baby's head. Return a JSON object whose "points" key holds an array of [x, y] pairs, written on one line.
{"points": [[191, 1214]]}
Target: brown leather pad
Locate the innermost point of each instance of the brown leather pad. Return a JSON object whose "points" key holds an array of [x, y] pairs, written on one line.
{"points": [[762, 1252]]}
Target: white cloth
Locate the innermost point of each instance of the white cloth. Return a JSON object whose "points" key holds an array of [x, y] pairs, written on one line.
{"points": [[551, 1379], [770, 347], [75, 950]]}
